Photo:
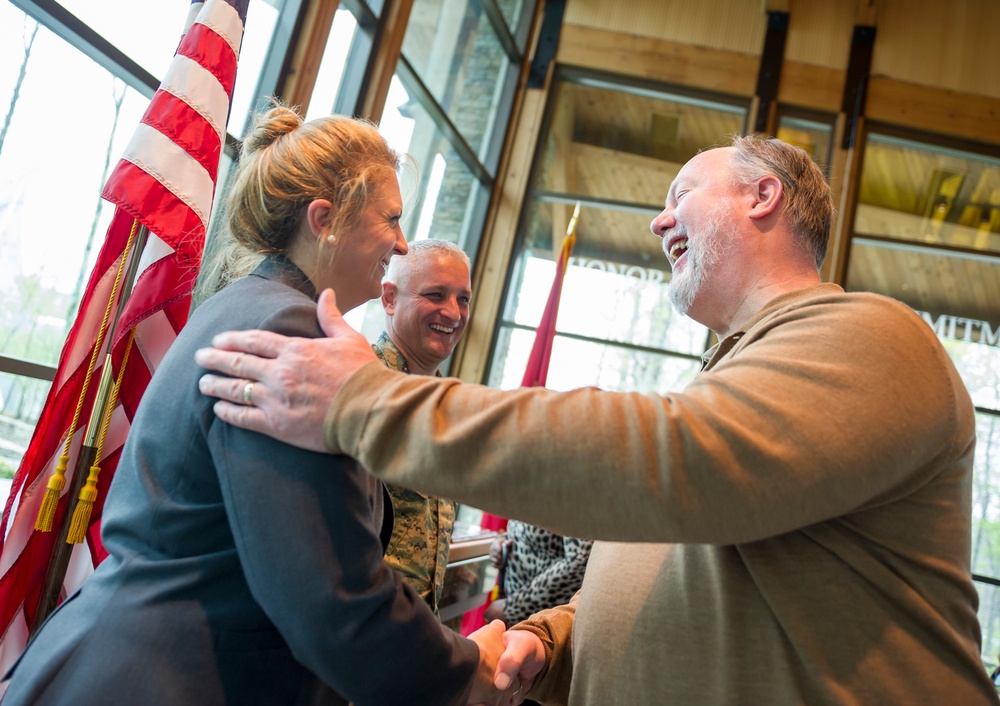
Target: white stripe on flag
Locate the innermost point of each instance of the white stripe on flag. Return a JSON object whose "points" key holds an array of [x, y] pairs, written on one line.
{"points": [[157, 154], [203, 93], [225, 20]]}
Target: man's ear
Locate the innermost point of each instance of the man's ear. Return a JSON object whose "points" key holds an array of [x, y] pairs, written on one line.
{"points": [[767, 196], [319, 213], [389, 297]]}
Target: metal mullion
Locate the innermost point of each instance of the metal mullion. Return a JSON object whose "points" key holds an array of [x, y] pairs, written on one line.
{"points": [[990, 257], [27, 368], [362, 13], [69, 27], [493, 14], [608, 342], [596, 202], [442, 122]]}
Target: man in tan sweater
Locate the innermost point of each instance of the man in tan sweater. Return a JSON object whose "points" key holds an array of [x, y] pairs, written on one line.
{"points": [[793, 528]]}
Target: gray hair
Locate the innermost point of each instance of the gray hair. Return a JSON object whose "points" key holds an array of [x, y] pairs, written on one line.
{"points": [[807, 199], [402, 267]]}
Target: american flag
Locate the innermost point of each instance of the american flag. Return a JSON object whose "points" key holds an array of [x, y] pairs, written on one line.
{"points": [[166, 181]]}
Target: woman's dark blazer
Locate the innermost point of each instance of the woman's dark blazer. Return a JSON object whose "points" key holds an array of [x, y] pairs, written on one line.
{"points": [[241, 570]]}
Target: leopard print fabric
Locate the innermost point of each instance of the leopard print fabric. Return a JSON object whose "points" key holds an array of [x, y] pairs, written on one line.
{"points": [[544, 569]]}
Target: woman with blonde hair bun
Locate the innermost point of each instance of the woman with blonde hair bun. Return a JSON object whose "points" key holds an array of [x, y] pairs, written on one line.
{"points": [[242, 570]]}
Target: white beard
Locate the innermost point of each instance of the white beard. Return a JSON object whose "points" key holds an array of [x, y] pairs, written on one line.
{"points": [[703, 253]]}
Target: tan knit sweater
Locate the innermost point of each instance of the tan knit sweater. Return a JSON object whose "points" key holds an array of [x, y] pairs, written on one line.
{"points": [[794, 528]]}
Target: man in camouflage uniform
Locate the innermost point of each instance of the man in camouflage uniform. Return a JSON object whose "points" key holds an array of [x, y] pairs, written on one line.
{"points": [[426, 296]]}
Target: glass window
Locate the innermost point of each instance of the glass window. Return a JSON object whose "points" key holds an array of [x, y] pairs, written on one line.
{"points": [[511, 11], [45, 259], [926, 193], [21, 400], [340, 48], [619, 143], [812, 135], [52, 219], [989, 623], [262, 20], [452, 47], [146, 32], [442, 198]]}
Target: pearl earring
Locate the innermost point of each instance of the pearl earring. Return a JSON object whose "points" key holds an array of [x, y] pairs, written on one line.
{"points": [[331, 239]]}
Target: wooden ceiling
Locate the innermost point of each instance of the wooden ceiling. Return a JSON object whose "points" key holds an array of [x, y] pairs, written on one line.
{"points": [[930, 218]]}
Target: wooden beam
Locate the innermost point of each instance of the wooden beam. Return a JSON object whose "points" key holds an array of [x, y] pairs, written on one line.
{"points": [[300, 75], [835, 268], [811, 86], [967, 115], [647, 57], [385, 55], [839, 229], [856, 81]]}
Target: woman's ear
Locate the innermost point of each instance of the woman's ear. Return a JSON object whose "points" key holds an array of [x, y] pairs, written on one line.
{"points": [[319, 213], [767, 196]]}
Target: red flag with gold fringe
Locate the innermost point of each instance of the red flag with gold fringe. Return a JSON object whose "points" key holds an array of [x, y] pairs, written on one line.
{"points": [[535, 374]]}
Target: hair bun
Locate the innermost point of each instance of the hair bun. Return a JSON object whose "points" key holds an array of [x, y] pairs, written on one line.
{"points": [[270, 126]]}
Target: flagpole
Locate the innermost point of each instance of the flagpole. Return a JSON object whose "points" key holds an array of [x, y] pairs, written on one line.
{"points": [[62, 549], [535, 373]]}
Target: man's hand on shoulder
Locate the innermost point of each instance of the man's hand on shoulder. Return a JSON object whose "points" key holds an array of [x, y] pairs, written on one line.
{"points": [[283, 386]]}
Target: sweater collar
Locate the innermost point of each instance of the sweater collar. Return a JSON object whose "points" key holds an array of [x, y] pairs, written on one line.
{"points": [[720, 349]]}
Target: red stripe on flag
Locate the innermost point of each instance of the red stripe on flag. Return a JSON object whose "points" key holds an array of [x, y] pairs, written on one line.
{"points": [[150, 202], [204, 45], [176, 119], [169, 278]]}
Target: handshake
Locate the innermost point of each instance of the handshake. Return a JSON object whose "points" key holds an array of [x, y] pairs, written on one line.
{"points": [[509, 662]]}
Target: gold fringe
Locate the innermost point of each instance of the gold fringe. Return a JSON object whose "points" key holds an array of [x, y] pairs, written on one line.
{"points": [[57, 481], [88, 493], [85, 504]]}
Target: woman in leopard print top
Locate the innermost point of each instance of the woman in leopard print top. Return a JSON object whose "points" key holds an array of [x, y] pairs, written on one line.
{"points": [[543, 569]]}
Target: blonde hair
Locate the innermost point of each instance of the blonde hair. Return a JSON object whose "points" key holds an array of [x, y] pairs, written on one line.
{"points": [[285, 164]]}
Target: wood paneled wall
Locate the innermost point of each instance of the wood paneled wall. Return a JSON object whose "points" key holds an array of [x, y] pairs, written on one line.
{"points": [[733, 25], [934, 65]]}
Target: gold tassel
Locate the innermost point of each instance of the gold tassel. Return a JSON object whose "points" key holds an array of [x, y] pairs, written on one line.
{"points": [[57, 481], [88, 493], [85, 504]]}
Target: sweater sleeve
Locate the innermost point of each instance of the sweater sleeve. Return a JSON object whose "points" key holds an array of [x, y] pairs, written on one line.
{"points": [[831, 406], [554, 627]]}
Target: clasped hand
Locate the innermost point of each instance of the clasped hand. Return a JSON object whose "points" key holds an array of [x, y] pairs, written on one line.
{"points": [[509, 662]]}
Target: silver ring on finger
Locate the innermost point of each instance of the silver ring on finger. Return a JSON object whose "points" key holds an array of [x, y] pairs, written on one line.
{"points": [[248, 393]]}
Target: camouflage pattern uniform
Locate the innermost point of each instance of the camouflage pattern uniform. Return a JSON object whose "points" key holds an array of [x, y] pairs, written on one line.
{"points": [[422, 526]]}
